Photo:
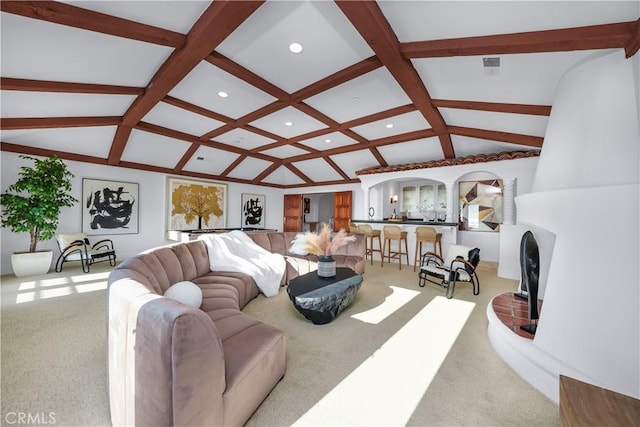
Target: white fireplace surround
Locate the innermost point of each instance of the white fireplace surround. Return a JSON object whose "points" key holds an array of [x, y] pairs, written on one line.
{"points": [[583, 211]]}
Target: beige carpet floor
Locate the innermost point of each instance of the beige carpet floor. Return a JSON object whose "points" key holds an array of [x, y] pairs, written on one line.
{"points": [[400, 355]]}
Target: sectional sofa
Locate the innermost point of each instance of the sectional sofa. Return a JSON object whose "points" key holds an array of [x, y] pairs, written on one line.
{"points": [[175, 364]]}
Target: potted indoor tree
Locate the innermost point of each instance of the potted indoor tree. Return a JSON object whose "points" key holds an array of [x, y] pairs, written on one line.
{"points": [[32, 204]]}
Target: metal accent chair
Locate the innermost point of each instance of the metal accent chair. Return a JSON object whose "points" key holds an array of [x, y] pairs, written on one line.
{"points": [[76, 247], [459, 266]]}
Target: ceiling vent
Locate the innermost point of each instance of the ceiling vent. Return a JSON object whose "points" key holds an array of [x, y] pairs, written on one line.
{"points": [[491, 66]]}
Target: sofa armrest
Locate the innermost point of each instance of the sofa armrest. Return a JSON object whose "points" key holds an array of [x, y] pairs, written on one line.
{"points": [[166, 351]]}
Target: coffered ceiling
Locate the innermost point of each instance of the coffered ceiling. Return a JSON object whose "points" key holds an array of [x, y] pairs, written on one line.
{"points": [[137, 84]]}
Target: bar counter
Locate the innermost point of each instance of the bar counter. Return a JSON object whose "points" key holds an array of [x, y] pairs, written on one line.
{"points": [[447, 229]]}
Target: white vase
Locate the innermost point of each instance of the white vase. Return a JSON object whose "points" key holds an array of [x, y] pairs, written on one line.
{"points": [[31, 263]]}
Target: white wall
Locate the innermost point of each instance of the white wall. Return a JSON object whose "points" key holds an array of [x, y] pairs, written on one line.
{"points": [[586, 195], [152, 208]]}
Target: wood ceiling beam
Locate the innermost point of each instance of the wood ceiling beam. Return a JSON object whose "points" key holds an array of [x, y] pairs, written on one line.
{"points": [[171, 133], [233, 165], [14, 123], [370, 22], [27, 85], [512, 138], [72, 16], [376, 153], [244, 74], [265, 173], [336, 167], [354, 71], [219, 20], [632, 46], [604, 36], [117, 146], [196, 109], [405, 137], [535, 110], [297, 172], [36, 151], [186, 157], [392, 112], [44, 152]]}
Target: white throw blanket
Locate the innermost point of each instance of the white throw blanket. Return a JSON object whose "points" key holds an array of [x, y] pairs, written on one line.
{"points": [[235, 251]]}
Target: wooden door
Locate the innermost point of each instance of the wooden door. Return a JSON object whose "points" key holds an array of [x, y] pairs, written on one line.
{"points": [[292, 220], [341, 210]]}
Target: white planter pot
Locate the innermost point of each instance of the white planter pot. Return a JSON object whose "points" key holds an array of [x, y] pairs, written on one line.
{"points": [[30, 264]]}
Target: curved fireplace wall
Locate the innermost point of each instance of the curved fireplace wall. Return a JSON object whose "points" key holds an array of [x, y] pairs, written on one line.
{"points": [[583, 210]]}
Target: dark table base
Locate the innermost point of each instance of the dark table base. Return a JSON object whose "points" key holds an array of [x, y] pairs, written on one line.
{"points": [[321, 299]]}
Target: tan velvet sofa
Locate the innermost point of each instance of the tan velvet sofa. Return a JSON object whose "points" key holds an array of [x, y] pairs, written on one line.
{"points": [[172, 364]]}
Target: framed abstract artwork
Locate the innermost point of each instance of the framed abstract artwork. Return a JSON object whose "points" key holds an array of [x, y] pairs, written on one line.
{"points": [[481, 207], [253, 210], [195, 204], [109, 207]]}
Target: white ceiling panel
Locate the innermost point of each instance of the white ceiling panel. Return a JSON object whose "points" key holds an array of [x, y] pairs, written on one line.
{"points": [[201, 87], [53, 69], [89, 141], [50, 104], [318, 170], [157, 150], [176, 16], [421, 150], [465, 146], [397, 125], [329, 141], [523, 79], [261, 43], [354, 161], [506, 122], [300, 123], [249, 168], [243, 139], [34, 49], [283, 176], [213, 161], [360, 97], [284, 151], [433, 20], [171, 117]]}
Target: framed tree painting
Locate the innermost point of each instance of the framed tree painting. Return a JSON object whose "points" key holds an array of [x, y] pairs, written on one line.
{"points": [[481, 207], [109, 207], [253, 210], [195, 204]]}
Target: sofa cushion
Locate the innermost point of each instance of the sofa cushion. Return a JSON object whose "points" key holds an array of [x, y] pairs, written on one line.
{"points": [[185, 292]]}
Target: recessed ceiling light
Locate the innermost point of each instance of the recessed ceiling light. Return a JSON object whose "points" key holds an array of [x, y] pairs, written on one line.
{"points": [[222, 94], [288, 123], [295, 47], [327, 140], [389, 125]]}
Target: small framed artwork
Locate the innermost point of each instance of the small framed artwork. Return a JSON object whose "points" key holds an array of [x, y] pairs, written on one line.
{"points": [[196, 205], [253, 206], [480, 205], [109, 207]]}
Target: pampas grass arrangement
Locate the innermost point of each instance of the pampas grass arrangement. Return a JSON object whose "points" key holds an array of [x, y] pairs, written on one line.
{"points": [[321, 243]]}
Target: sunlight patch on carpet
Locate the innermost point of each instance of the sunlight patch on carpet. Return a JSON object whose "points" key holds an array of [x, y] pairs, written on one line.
{"points": [[60, 286], [398, 298], [387, 387]]}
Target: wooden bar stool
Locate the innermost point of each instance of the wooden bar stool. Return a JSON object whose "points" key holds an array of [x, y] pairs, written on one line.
{"points": [[391, 233], [369, 235], [426, 235]]}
